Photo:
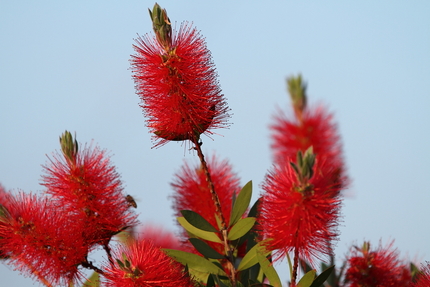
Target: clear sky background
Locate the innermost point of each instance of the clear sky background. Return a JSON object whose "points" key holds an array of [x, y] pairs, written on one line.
{"points": [[65, 65]]}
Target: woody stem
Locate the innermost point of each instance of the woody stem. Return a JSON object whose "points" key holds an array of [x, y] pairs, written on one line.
{"points": [[295, 267], [215, 198]]}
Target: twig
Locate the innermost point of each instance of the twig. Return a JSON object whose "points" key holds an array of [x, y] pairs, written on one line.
{"points": [[215, 198]]}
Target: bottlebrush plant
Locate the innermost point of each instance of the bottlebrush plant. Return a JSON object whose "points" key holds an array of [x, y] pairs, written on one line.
{"points": [[225, 241]]}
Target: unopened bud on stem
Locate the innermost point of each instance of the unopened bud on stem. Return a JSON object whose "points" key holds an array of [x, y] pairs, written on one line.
{"points": [[161, 25], [297, 91], [69, 146]]}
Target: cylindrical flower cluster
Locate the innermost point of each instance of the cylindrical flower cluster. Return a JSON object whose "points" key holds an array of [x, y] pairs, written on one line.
{"points": [[177, 83], [143, 264], [300, 206], [89, 189], [380, 268], [192, 192]]}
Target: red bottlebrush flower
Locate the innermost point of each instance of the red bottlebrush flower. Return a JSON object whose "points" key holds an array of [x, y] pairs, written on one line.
{"points": [[143, 264], [192, 192], [90, 189], [316, 128], [178, 86], [378, 268], [41, 240], [160, 238], [423, 278], [301, 220]]}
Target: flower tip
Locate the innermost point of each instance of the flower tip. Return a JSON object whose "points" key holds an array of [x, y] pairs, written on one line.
{"points": [[161, 25], [69, 146], [297, 91]]}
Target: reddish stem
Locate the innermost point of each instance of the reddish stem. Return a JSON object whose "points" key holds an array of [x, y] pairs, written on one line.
{"points": [[215, 198]]}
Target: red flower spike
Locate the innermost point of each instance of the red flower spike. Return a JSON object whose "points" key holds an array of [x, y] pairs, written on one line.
{"points": [[192, 192], [178, 86], [378, 268], [423, 278], [41, 240], [316, 129], [302, 220], [90, 189], [143, 264], [160, 238]]}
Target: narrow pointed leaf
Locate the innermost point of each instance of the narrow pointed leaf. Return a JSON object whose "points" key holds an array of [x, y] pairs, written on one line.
{"points": [[250, 258], [242, 203], [269, 270], [241, 228], [206, 235], [210, 282], [205, 249], [253, 212], [319, 281], [197, 221], [194, 262], [307, 279]]}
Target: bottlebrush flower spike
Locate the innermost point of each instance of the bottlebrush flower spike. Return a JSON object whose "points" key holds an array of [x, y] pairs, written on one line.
{"points": [[143, 264], [160, 237], [311, 127], [41, 240], [176, 80], [86, 184], [379, 268], [192, 191], [423, 278], [300, 208]]}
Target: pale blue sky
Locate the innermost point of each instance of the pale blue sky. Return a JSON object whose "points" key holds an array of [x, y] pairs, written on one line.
{"points": [[64, 65]]}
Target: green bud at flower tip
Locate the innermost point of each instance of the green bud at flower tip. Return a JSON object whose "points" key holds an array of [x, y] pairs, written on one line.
{"points": [[161, 25], [69, 147], [297, 91]]}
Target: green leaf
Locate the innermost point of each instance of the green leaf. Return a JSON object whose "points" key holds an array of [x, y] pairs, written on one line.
{"points": [[210, 282], [205, 249], [211, 236], [319, 281], [194, 262], [93, 280], [241, 204], [253, 212], [197, 221], [307, 279], [241, 228], [250, 258], [268, 269]]}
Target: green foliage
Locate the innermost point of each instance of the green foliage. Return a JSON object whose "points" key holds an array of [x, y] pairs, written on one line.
{"points": [[319, 281], [205, 249], [250, 258], [197, 220], [195, 262], [241, 228], [268, 269], [307, 279], [241, 204], [206, 235]]}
